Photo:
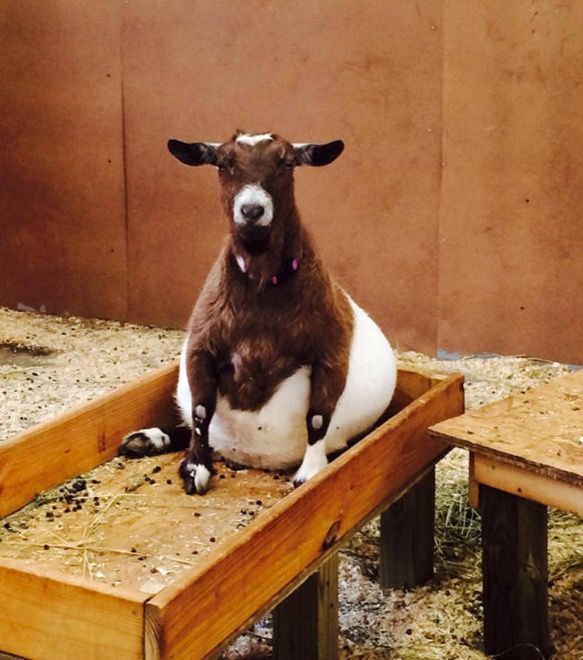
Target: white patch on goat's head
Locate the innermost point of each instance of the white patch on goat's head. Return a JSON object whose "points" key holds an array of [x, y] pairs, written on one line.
{"points": [[200, 412], [252, 140], [253, 194]]}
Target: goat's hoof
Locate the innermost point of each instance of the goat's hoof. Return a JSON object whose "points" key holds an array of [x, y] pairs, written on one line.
{"points": [[195, 477], [145, 442], [306, 471], [300, 478]]}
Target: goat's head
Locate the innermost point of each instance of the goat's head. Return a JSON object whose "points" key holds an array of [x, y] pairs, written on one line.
{"points": [[256, 176]]}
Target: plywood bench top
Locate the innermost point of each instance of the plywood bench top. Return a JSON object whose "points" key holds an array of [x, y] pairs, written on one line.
{"points": [[541, 430]]}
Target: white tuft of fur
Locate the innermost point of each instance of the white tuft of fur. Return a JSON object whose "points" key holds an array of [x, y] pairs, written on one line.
{"points": [[145, 442], [317, 422], [183, 396], [253, 194], [241, 263], [252, 140], [156, 436], [201, 476]]}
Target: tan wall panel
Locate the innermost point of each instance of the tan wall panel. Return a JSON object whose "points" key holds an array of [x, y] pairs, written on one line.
{"points": [[511, 231], [510, 270], [369, 73], [62, 195]]}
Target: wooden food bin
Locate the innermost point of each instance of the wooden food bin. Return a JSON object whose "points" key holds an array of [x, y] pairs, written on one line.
{"points": [[46, 612]]}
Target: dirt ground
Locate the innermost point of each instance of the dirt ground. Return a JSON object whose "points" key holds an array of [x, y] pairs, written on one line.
{"points": [[48, 364]]}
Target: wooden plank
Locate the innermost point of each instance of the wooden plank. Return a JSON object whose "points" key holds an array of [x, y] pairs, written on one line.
{"points": [[297, 531], [410, 386], [514, 546], [530, 485], [407, 528], [541, 429], [54, 451], [305, 624], [142, 506], [47, 614]]}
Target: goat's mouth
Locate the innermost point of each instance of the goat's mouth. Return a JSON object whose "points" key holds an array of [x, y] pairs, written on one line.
{"points": [[255, 239]]}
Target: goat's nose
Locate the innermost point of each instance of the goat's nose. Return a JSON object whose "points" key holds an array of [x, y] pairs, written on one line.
{"points": [[252, 211]]}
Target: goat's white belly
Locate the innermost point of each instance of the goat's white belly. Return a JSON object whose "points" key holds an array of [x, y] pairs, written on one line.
{"points": [[275, 436]]}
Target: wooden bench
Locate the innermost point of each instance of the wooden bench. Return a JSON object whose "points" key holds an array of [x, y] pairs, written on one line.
{"points": [[284, 559], [526, 453]]}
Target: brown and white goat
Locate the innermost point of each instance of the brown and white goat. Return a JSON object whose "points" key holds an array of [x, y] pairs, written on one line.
{"points": [[279, 362]]}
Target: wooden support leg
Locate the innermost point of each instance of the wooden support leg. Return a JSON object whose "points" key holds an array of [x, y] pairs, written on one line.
{"points": [[514, 551], [407, 537], [305, 624]]}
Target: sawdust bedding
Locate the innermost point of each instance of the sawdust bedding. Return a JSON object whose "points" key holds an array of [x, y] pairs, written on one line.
{"points": [[49, 364]]}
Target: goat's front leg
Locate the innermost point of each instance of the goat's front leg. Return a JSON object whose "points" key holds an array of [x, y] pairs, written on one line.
{"points": [[327, 383], [196, 467]]}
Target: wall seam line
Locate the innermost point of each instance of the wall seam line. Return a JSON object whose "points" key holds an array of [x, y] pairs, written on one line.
{"points": [[441, 179], [125, 167]]}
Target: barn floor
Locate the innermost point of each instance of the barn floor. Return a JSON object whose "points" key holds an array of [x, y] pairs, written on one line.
{"points": [[48, 364]]}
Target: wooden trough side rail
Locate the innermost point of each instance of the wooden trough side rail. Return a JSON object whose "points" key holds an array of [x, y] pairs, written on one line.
{"points": [[54, 451], [48, 614], [193, 617]]}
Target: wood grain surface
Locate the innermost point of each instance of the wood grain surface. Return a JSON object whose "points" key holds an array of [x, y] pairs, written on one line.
{"points": [[524, 483], [541, 429], [89, 435], [47, 614]]}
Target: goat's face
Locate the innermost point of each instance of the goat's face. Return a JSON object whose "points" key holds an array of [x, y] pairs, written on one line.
{"points": [[256, 176]]}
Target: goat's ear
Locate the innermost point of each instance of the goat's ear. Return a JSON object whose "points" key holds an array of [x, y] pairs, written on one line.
{"points": [[196, 153], [318, 154]]}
